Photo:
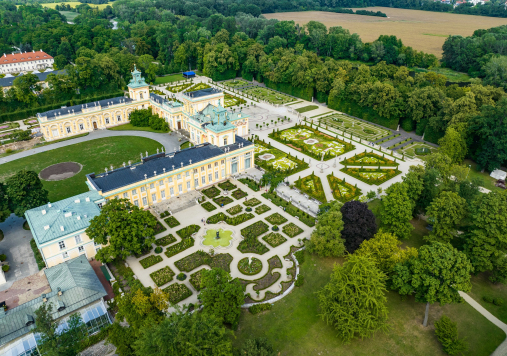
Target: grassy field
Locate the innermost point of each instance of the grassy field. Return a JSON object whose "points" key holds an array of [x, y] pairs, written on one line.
{"points": [[130, 127], [294, 328], [423, 30], [489, 182], [481, 287], [74, 4], [169, 78], [94, 155], [69, 15]]}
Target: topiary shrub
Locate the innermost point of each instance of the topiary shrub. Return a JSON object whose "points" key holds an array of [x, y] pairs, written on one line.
{"points": [[275, 228], [6, 268], [3, 257], [181, 277], [498, 301], [158, 249], [487, 299], [248, 209], [257, 308]]}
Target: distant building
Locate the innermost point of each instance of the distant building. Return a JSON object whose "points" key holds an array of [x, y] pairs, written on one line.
{"points": [[71, 287], [7, 81], [25, 61]]}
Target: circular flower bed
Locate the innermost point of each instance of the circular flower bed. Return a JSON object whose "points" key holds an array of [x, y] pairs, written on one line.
{"points": [[158, 249], [249, 267], [248, 209], [275, 228]]}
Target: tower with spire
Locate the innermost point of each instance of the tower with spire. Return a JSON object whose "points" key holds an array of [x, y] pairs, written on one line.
{"points": [[138, 88]]}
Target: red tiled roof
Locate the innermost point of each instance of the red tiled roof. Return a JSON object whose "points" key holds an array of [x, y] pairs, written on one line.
{"points": [[24, 57]]}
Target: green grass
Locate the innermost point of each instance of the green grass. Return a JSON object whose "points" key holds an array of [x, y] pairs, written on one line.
{"points": [[269, 95], [130, 127], [169, 78], [294, 328], [451, 75], [489, 182], [307, 108], [74, 4], [186, 145], [94, 155], [409, 150], [358, 128], [481, 286], [69, 15]]}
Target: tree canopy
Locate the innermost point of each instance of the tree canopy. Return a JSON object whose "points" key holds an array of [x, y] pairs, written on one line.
{"points": [[25, 191], [358, 224], [326, 239], [396, 211]]}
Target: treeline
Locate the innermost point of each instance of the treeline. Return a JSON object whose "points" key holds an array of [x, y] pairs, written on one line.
{"points": [[483, 54], [360, 12]]}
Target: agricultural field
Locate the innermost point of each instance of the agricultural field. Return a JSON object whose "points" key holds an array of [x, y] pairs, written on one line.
{"points": [[74, 4], [422, 30], [269, 95], [355, 127]]}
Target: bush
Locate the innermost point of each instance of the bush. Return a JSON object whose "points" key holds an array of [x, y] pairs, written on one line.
{"points": [[5, 268], [498, 301], [208, 206], [38, 257], [300, 256], [447, 333], [172, 221], [158, 249], [488, 299], [275, 228], [188, 231], [300, 280], [257, 308], [3, 257], [181, 276], [180, 246], [150, 260]]}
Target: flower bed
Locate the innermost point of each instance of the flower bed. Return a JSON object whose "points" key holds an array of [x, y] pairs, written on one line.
{"points": [[371, 176], [195, 279], [342, 190], [235, 210], [291, 209], [292, 230], [252, 202], [208, 206], [227, 185], [250, 268], [159, 228], [276, 219], [274, 239], [250, 242], [312, 186], [177, 292], [273, 159], [178, 88], [162, 276], [369, 159], [269, 278], [254, 230], [262, 209], [211, 192], [234, 220], [171, 221], [222, 200], [150, 261], [199, 258], [250, 183], [180, 246], [238, 194], [188, 231], [231, 100], [166, 240]]}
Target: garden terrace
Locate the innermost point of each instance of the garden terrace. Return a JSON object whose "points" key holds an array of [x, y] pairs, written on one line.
{"points": [[262, 209], [248, 267], [238, 194], [276, 219], [179, 247], [188, 231], [150, 261], [371, 176], [235, 83], [252, 202], [195, 279], [166, 240], [208, 206], [312, 186], [268, 95], [171, 221], [292, 230], [235, 210], [417, 150], [312, 142], [177, 292], [291, 209], [274, 239], [222, 200], [342, 190], [211, 192], [272, 159], [369, 159], [358, 128], [162, 276], [200, 258], [227, 185]]}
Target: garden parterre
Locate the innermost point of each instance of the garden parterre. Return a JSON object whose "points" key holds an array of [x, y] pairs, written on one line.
{"points": [[353, 126], [268, 95]]}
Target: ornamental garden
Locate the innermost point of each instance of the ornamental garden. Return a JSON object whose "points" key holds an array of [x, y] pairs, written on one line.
{"points": [[353, 126], [268, 95]]}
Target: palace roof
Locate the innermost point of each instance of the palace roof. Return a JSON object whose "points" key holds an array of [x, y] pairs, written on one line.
{"points": [[24, 57]]}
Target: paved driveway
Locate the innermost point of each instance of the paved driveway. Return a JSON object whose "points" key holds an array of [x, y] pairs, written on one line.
{"points": [[16, 245]]}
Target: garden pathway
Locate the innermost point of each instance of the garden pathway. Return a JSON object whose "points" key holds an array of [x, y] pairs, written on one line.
{"points": [[501, 350]]}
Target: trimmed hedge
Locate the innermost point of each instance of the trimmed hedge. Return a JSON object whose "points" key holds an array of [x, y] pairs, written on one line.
{"points": [[257, 308], [180, 246], [171, 221], [287, 88], [188, 231], [150, 261], [166, 240], [37, 255]]}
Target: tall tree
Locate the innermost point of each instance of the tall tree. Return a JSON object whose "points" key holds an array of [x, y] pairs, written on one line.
{"points": [[446, 211], [221, 295], [124, 228], [435, 275], [5, 212], [25, 191], [354, 300], [358, 224], [326, 239], [396, 211], [454, 145]]}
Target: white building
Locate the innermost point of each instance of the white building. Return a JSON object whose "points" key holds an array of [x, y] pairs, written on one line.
{"points": [[24, 62]]}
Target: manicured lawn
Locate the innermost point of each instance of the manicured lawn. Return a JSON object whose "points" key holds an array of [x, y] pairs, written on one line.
{"points": [[269, 95], [274, 159], [169, 78], [358, 128], [236, 83], [307, 108], [410, 150], [186, 145], [130, 127], [94, 155], [481, 286], [294, 328], [489, 182]]}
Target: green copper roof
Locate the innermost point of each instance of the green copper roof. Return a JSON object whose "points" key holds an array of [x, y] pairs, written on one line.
{"points": [[137, 81], [64, 217], [79, 285]]}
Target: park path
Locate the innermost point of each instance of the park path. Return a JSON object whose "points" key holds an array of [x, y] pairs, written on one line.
{"points": [[169, 141], [501, 350]]}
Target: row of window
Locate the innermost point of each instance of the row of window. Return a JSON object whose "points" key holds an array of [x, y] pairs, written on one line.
{"points": [[81, 126]]}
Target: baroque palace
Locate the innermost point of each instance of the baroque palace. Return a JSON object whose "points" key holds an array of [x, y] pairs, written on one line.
{"points": [[219, 152]]}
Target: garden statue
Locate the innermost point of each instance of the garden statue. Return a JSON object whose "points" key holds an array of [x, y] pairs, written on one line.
{"points": [[218, 235]]}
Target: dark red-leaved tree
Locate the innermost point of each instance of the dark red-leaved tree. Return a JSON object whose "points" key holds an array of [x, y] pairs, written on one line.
{"points": [[358, 224]]}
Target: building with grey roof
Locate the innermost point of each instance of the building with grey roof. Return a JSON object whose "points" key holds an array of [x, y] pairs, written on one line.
{"points": [[75, 288]]}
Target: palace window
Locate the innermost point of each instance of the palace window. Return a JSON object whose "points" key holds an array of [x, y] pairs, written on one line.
{"points": [[161, 182], [171, 191], [216, 175], [134, 192], [210, 177], [225, 141], [68, 130], [126, 195], [162, 194], [154, 197], [107, 120], [187, 174], [203, 179], [136, 202], [143, 189], [209, 166], [145, 201], [196, 182], [61, 244], [78, 239], [81, 126], [170, 179], [223, 173], [216, 164], [65, 255], [178, 176], [180, 188], [80, 249], [202, 169], [222, 161], [188, 185], [152, 186], [118, 117]]}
